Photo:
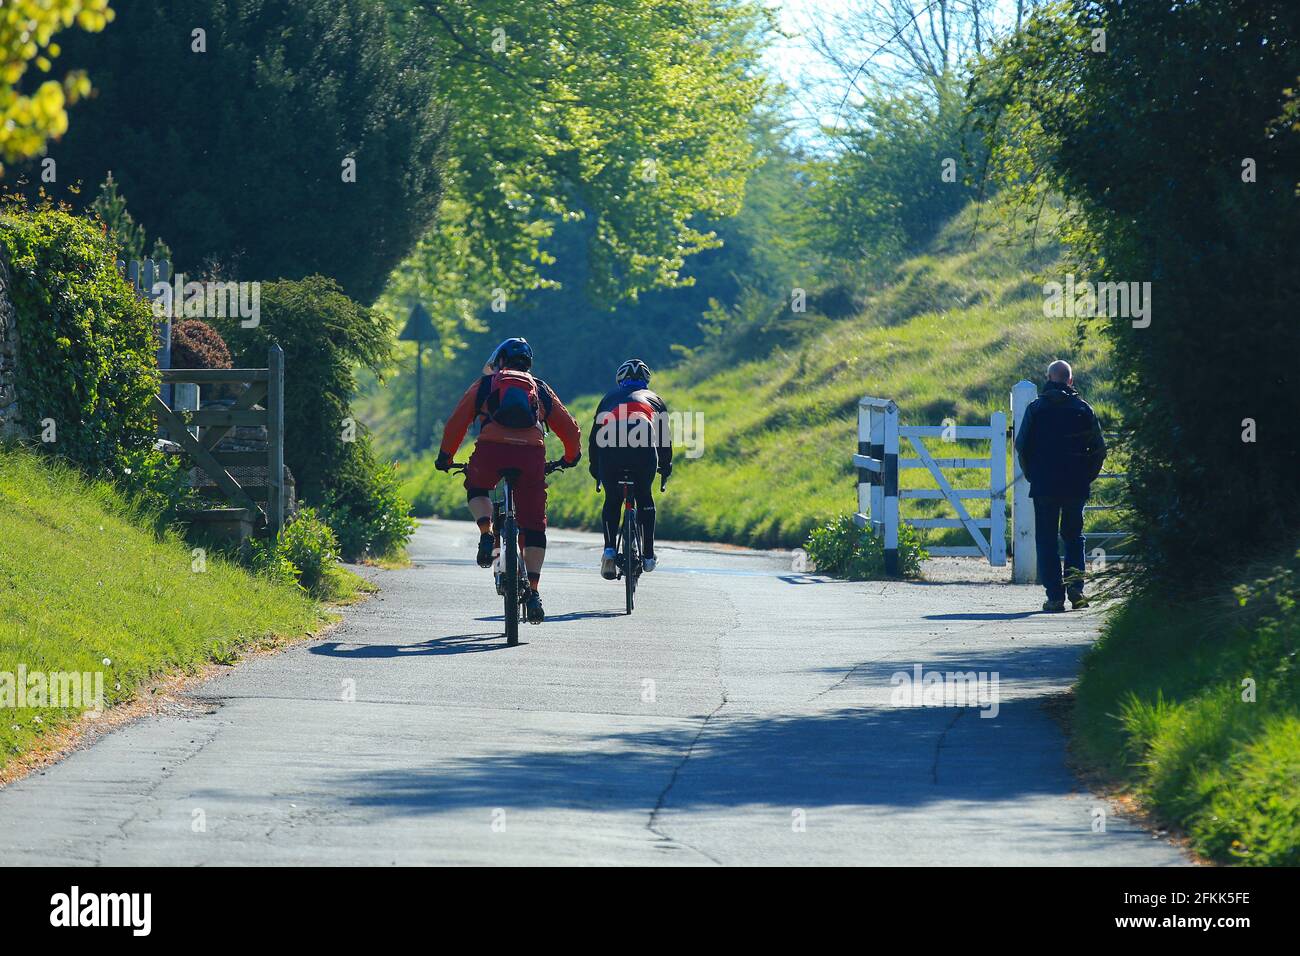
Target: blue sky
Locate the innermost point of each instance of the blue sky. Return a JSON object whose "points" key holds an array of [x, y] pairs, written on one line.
{"points": [[798, 64]]}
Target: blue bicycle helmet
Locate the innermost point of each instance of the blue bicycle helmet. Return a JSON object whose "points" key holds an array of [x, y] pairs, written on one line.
{"points": [[513, 353]]}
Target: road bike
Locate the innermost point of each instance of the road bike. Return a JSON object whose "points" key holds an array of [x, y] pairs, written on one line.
{"points": [[629, 542]]}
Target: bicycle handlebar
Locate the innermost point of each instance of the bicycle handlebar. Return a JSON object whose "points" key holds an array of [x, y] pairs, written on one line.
{"points": [[558, 465]]}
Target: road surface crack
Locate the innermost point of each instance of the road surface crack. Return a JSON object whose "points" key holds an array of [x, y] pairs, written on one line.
{"points": [[652, 823], [861, 664], [938, 744], [145, 801]]}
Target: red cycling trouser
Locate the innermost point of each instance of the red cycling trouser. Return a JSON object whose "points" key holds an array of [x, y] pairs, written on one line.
{"points": [[484, 471]]}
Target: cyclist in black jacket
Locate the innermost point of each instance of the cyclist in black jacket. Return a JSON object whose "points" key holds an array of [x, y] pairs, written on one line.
{"points": [[631, 434]]}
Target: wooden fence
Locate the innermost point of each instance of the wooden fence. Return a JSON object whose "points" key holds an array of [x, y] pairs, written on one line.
{"points": [[261, 493]]}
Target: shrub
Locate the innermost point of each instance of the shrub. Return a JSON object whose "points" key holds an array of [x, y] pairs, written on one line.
{"points": [[310, 546], [195, 344], [839, 547], [325, 337], [304, 554], [365, 508], [87, 341], [266, 558], [155, 483]]}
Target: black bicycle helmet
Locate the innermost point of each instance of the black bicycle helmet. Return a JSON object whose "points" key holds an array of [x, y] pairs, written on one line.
{"points": [[512, 353], [633, 369]]}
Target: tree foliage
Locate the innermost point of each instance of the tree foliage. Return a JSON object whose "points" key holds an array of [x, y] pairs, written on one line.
{"points": [[110, 206], [1166, 144], [232, 144], [903, 168], [27, 29], [630, 115], [580, 338]]}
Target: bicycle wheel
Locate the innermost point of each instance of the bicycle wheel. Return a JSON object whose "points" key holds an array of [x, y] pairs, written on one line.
{"points": [[629, 555], [510, 542]]}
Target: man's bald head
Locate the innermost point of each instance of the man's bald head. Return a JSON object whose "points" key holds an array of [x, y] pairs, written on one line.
{"points": [[1060, 371]]}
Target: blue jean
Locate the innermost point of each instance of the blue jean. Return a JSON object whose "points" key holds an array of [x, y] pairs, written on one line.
{"points": [[1063, 517]]}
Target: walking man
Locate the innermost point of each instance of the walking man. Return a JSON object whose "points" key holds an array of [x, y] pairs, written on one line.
{"points": [[1061, 451]]}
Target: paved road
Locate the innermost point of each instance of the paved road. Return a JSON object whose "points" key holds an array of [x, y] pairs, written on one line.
{"points": [[743, 715]]}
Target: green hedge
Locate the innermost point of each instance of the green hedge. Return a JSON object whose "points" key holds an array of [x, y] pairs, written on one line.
{"points": [[87, 346]]}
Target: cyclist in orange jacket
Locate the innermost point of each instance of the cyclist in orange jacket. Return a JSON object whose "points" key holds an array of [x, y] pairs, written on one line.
{"points": [[513, 408]]}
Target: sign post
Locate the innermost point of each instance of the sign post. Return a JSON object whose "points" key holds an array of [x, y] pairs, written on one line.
{"points": [[418, 329]]}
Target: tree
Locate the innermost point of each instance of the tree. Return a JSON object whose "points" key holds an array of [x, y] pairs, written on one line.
{"points": [[632, 115], [580, 337], [908, 46], [901, 170], [1166, 145], [27, 29], [235, 127], [110, 206]]}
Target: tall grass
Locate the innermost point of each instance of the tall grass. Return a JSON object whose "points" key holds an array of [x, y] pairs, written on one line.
{"points": [[1196, 705]]}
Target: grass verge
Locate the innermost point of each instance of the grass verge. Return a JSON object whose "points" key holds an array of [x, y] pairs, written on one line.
{"points": [[85, 588], [1195, 706]]}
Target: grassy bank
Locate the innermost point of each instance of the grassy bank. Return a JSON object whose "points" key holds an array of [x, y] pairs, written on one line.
{"points": [[1195, 705], [946, 337], [85, 588]]}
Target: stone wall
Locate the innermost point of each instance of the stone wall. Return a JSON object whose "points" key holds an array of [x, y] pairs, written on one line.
{"points": [[10, 423]]}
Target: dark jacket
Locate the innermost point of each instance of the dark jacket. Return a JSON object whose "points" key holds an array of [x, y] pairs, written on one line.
{"points": [[630, 416], [1060, 445]]}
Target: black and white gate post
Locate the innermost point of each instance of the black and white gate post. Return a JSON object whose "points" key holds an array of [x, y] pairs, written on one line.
{"points": [[877, 464]]}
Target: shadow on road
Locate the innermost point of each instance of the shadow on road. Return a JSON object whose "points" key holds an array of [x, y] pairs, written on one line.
{"points": [[569, 616], [983, 616], [1023, 665], [901, 756], [451, 644]]}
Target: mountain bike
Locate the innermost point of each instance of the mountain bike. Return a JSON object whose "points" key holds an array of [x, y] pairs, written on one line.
{"points": [[508, 568]]}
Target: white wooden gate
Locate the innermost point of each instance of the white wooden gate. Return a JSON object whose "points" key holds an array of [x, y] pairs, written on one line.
{"points": [[879, 464]]}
